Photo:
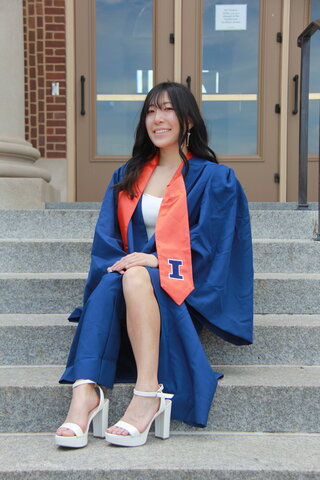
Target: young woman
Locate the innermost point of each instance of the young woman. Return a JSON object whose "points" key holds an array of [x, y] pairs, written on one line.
{"points": [[172, 252]]}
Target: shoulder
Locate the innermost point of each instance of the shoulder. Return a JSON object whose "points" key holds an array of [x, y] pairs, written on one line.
{"points": [[212, 173]]}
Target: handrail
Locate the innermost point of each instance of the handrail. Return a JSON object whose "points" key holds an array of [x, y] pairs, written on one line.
{"points": [[304, 43]]}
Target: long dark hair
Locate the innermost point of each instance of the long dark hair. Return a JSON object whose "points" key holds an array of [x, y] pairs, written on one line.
{"points": [[186, 109]]}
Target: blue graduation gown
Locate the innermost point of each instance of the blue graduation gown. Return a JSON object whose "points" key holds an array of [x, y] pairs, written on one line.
{"points": [[222, 300]]}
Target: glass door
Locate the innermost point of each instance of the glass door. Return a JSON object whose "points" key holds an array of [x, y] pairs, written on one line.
{"points": [[240, 89], [302, 13], [122, 48]]}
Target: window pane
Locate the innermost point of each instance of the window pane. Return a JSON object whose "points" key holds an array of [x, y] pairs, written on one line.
{"points": [[230, 75], [124, 70], [314, 102]]}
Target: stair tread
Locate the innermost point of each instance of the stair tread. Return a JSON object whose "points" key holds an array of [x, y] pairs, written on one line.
{"points": [[235, 375], [72, 275], [52, 319], [233, 455]]}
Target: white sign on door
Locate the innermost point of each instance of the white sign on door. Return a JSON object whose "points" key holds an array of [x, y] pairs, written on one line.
{"points": [[231, 17]]}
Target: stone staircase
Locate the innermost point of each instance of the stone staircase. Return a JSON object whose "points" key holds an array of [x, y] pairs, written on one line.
{"points": [[265, 421]]}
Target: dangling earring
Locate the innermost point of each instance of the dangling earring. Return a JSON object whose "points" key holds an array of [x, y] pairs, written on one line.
{"points": [[188, 137]]}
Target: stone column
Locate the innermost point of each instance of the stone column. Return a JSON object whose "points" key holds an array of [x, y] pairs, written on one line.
{"points": [[22, 185]]}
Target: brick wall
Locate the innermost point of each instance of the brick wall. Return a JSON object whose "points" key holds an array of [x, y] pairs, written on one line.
{"points": [[45, 62]]}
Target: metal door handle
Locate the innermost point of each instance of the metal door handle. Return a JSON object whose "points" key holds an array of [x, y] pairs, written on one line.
{"points": [[188, 82], [82, 80], [296, 90]]}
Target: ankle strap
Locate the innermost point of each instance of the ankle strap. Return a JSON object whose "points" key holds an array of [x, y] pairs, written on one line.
{"points": [[81, 382], [158, 393]]}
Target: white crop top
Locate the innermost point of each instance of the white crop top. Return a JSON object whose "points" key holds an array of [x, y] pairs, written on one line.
{"points": [[150, 210]]}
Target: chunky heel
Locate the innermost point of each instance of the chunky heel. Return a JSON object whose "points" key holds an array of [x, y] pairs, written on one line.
{"points": [[99, 417], [100, 421], [161, 418], [162, 422]]}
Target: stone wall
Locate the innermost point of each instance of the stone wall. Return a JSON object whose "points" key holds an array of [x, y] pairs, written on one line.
{"points": [[45, 62]]}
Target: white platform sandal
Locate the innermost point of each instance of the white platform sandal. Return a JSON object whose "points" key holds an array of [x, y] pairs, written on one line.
{"points": [[162, 422], [99, 417]]}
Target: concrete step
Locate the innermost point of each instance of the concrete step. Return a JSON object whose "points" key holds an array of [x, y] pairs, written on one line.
{"points": [[286, 256], [45, 255], [75, 223], [61, 292], [67, 255], [248, 398], [46, 338], [217, 456], [50, 224]]}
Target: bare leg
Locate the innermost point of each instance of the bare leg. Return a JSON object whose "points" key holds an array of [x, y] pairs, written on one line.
{"points": [[84, 399], [143, 324]]}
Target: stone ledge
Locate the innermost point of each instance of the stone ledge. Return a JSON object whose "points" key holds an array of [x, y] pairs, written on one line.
{"points": [[219, 456], [25, 193]]}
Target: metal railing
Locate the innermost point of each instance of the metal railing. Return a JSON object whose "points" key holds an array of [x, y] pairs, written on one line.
{"points": [[304, 44]]}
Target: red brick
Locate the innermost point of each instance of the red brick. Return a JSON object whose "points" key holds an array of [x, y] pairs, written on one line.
{"points": [[55, 76], [31, 22], [33, 120], [55, 123], [56, 59], [56, 138], [40, 57], [60, 51], [48, 19], [30, 9], [41, 129], [32, 36], [61, 99], [61, 148], [41, 107], [49, 51], [49, 68], [40, 82], [39, 9], [59, 116], [39, 22], [59, 36], [49, 35], [32, 60], [59, 3], [40, 34], [40, 70], [50, 146], [60, 68], [61, 131], [55, 44], [53, 27], [54, 11], [42, 140], [50, 131], [56, 108], [33, 97], [33, 108], [59, 19], [41, 117]]}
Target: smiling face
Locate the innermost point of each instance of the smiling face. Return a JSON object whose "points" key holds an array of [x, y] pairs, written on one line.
{"points": [[162, 123]]}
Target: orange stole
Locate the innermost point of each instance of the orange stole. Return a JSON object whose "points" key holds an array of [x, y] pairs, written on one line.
{"points": [[172, 232]]}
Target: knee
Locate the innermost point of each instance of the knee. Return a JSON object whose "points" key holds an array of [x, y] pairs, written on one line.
{"points": [[135, 280]]}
